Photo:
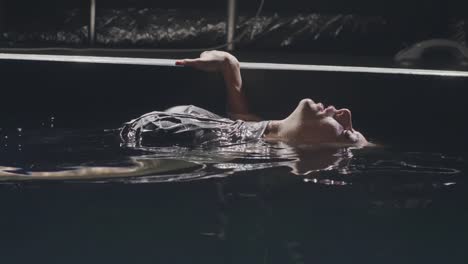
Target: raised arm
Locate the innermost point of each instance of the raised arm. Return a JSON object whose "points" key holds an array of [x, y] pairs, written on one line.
{"points": [[228, 66]]}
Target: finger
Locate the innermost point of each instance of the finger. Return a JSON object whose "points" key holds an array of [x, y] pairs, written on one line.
{"points": [[186, 62]]}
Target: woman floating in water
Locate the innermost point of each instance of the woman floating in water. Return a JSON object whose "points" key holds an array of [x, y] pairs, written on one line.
{"points": [[310, 123]]}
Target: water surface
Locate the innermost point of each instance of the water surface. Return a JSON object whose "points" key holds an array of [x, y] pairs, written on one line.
{"points": [[74, 196]]}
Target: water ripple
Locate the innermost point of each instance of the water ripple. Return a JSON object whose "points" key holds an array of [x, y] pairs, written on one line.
{"points": [[97, 157]]}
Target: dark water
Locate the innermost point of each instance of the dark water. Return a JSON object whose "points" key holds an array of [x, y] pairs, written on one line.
{"points": [[78, 196]]}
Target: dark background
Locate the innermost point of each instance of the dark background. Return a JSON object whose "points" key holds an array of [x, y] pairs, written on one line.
{"points": [[267, 216], [390, 109], [397, 7]]}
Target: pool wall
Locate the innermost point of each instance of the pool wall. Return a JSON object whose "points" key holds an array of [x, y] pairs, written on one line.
{"points": [[334, 27]]}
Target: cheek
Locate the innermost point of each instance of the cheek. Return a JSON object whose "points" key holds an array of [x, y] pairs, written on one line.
{"points": [[324, 132], [330, 128], [321, 130]]}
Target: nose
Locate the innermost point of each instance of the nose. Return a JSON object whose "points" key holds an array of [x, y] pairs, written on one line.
{"points": [[343, 116], [306, 101]]}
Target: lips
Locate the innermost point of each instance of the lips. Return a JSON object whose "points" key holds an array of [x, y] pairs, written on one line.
{"points": [[320, 106], [330, 110]]}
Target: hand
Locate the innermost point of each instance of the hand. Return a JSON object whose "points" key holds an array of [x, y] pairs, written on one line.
{"points": [[211, 61]]}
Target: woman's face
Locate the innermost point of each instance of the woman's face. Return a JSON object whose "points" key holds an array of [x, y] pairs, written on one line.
{"points": [[316, 123]]}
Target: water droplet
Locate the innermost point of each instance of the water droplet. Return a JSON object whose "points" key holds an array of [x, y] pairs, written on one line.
{"points": [[52, 119]]}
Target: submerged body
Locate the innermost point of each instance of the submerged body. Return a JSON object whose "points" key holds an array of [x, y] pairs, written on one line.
{"points": [[189, 126]]}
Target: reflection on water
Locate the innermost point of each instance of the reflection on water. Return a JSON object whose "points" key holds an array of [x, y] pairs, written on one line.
{"points": [[98, 155], [271, 203]]}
